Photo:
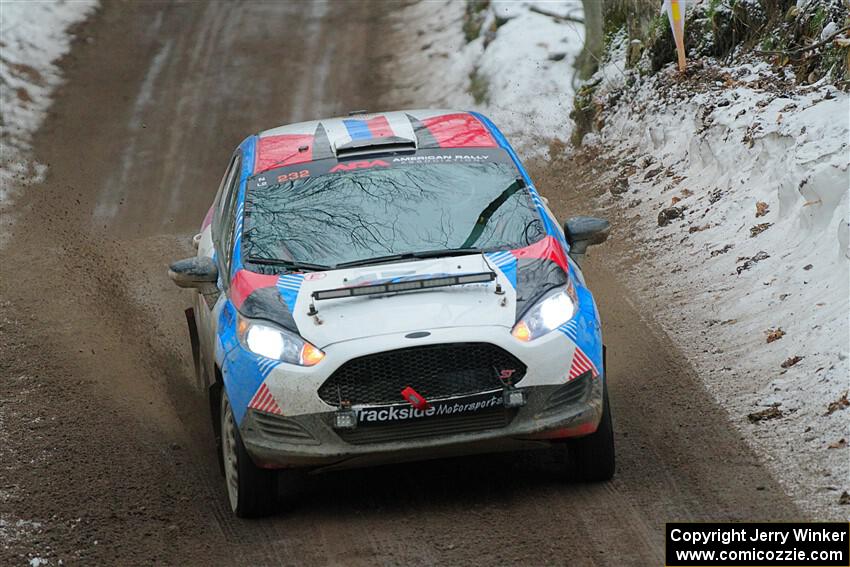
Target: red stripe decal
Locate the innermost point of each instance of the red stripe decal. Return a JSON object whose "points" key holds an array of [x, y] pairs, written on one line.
{"points": [[264, 401], [459, 131], [245, 283], [278, 151], [581, 364], [379, 127]]}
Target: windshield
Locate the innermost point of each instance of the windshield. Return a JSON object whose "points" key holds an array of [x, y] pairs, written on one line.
{"points": [[350, 216]]}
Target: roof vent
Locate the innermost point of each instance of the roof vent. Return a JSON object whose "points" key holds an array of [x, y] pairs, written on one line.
{"points": [[388, 144]]}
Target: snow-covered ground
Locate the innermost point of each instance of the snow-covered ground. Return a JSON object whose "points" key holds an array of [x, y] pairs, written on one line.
{"points": [[34, 35], [736, 182], [517, 70]]}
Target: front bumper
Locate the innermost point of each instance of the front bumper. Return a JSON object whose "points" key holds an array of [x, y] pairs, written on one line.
{"points": [[310, 441]]}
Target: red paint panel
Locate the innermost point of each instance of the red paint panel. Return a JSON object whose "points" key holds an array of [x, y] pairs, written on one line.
{"points": [[379, 127], [245, 283], [459, 131], [546, 249], [282, 150]]}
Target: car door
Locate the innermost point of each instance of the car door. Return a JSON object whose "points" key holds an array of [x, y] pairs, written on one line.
{"points": [[208, 307]]}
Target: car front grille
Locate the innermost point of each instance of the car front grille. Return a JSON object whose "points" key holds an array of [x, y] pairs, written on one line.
{"points": [[434, 371], [429, 427]]}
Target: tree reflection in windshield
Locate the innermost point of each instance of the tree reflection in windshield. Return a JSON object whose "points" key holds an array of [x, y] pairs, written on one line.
{"points": [[356, 215]]}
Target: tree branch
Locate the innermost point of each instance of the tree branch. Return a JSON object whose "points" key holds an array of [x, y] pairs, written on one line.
{"points": [[555, 16], [807, 48]]}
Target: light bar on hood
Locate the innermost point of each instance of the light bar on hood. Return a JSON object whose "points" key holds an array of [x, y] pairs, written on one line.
{"points": [[409, 285]]}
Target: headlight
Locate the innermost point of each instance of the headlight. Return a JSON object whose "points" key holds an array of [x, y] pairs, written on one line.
{"points": [[547, 315], [277, 343]]}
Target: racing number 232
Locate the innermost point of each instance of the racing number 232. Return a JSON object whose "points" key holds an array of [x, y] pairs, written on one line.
{"points": [[293, 176]]}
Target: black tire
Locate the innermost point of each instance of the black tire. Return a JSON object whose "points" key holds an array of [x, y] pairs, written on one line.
{"points": [[593, 457], [251, 491]]}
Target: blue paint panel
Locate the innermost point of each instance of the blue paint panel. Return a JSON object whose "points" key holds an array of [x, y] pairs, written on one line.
{"points": [[589, 332], [358, 129], [243, 371]]}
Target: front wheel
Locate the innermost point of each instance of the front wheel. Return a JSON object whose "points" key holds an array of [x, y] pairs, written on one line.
{"points": [[593, 456], [252, 491]]}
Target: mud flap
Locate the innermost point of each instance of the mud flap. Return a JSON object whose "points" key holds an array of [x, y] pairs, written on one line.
{"points": [[604, 360], [195, 342]]}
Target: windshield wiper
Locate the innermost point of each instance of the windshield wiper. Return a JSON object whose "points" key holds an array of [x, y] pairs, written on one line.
{"points": [[410, 256], [447, 252], [289, 264]]}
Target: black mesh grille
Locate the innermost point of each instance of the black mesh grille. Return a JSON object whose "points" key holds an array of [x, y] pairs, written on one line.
{"points": [[435, 371]]}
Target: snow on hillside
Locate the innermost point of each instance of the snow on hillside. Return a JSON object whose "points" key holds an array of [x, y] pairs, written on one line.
{"points": [[485, 59], [736, 182], [33, 36]]}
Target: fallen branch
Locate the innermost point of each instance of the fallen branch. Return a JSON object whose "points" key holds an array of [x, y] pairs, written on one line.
{"points": [[555, 16], [808, 48]]}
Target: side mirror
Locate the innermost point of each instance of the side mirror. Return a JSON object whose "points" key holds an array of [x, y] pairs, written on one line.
{"points": [[582, 232], [200, 273]]}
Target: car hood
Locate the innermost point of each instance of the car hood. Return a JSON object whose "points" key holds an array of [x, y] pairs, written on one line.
{"points": [[349, 318]]}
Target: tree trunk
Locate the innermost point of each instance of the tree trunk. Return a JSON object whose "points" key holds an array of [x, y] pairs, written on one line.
{"points": [[588, 62]]}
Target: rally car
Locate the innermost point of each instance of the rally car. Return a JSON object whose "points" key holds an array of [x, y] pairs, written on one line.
{"points": [[391, 287]]}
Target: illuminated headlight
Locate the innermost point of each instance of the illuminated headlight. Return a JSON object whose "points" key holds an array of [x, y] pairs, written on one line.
{"points": [[273, 342], [547, 315]]}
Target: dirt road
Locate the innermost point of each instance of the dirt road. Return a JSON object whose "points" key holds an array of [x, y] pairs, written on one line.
{"points": [[104, 437]]}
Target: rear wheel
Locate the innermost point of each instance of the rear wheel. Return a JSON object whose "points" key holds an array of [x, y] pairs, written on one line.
{"points": [[593, 456], [252, 491]]}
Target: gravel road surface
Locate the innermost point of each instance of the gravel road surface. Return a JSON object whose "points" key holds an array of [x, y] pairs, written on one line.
{"points": [[105, 434]]}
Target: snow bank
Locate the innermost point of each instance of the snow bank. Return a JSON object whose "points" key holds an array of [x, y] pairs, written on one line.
{"points": [[33, 36], [519, 79], [749, 272]]}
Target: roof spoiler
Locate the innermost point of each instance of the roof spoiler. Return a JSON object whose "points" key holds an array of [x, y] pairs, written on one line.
{"points": [[375, 145]]}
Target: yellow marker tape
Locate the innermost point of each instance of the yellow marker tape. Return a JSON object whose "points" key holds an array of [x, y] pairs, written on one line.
{"points": [[674, 7]]}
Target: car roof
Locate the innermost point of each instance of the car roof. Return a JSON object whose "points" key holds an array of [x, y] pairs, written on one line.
{"points": [[326, 138]]}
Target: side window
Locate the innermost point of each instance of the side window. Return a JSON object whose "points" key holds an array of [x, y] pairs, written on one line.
{"points": [[221, 198], [228, 214]]}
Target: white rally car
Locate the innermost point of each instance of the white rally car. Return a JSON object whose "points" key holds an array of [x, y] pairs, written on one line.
{"points": [[389, 287]]}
